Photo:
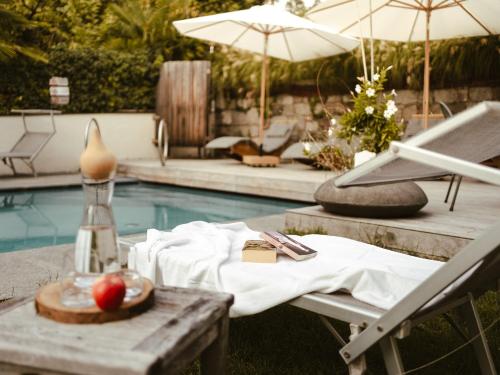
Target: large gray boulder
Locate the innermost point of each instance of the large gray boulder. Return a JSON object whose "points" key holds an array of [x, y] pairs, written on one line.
{"points": [[401, 199]]}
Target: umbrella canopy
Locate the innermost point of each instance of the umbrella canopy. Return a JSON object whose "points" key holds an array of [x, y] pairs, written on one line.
{"points": [[270, 31], [411, 20]]}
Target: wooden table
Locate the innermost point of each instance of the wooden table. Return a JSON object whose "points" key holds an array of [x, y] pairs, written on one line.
{"points": [[183, 324]]}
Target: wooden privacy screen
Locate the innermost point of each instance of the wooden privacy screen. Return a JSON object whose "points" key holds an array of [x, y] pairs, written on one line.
{"points": [[182, 101]]}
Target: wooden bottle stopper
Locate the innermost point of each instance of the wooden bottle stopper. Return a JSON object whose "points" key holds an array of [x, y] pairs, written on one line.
{"points": [[97, 161]]}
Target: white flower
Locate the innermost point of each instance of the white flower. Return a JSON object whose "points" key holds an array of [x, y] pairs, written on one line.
{"points": [[376, 77], [391, 109], [307, 147], [333, 122], [370, 92], [369, 110], [330, 132], [357, 89], [393, 93]]}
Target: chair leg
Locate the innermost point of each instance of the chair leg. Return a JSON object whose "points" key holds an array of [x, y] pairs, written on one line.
{"points": [[449, 188], [332, 330], [459, 181], [32, 167], [358, 366], [11, 165], [392, 357], [469, 314]]}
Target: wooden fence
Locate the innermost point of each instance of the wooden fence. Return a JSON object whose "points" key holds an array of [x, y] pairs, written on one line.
{"points": [[182, 101]]}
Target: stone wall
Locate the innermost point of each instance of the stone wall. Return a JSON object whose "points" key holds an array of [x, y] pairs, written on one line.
{"points": [[241, 117]]}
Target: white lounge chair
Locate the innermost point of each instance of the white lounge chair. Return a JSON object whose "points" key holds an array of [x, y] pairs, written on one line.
{"points": [[474, 270], [296, 151], [275, 138], [31, 143]]}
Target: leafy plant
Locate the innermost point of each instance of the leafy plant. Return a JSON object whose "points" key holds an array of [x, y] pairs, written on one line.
{"points": [[372, 118], [332, 158], [12, 24]]}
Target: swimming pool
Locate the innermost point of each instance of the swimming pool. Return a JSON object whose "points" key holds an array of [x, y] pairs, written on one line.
{"points": [[37, 218]]}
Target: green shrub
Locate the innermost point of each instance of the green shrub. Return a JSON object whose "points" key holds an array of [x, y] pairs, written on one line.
{"points": [[109, 80], [455, 62], [100, 80]]}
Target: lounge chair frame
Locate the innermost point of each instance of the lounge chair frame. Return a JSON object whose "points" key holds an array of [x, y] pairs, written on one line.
{"points": [[411, 150], [447, 113], [250, 147], [455, 285], [29, 157], [479, 261]]}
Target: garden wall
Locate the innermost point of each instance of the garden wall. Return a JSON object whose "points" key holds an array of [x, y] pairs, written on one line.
{"points": [[241, 117], [127, 135]]}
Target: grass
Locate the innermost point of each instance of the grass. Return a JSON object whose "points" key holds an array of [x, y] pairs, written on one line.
{"points": [[287, 340], [305, 231]]}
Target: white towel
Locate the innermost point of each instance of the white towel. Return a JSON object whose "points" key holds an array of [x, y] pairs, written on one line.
{"points": [[208, 256]]}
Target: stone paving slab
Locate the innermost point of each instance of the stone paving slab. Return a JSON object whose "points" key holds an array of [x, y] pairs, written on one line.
{"points": [[47, 181], [286, 181], [434, 232]]}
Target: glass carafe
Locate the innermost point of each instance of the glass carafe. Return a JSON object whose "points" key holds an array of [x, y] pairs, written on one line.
{"points": [[97, 249]]}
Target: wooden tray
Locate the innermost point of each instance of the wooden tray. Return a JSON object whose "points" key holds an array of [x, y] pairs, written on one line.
{"points": [[261, 161], [48, 304]]}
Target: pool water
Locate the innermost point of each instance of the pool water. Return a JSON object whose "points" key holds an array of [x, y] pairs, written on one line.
{"points": [[37, 218]]}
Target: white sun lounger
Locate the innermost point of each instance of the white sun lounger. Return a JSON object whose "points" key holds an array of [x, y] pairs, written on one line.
{"points": [[275, 137], [471, 272], [296, 151], [31, 143]]}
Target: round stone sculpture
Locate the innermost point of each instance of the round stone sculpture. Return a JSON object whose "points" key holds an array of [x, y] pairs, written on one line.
{"points": [[401, 199]]}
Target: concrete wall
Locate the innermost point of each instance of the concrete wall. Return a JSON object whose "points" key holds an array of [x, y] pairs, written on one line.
{"points": [[241, 117], [127, 135]]}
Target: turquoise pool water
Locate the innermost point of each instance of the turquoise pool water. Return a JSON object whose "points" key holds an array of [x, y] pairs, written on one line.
{"points": [[37, 218]]}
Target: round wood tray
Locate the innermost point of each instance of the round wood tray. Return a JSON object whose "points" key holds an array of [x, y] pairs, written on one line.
{"points": [[48, 304]]}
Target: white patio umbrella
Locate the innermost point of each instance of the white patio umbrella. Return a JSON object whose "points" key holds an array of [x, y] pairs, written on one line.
{"points": [[411, 20], [271, 31]]}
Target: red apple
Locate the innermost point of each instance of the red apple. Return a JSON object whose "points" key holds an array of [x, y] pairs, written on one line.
{"points": [[108, 292]]}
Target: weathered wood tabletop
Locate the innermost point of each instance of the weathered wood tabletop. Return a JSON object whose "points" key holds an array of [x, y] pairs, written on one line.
{"points": [[183, 324]]}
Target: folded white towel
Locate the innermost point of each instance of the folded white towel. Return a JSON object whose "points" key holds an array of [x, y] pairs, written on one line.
{"points": [[208, 256]]}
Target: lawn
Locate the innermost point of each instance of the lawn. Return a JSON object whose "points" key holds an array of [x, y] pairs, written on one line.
{"points": [[286, 340]]}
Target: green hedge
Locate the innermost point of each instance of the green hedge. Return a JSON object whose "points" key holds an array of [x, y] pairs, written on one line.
{"points": [[455, 62], [106, 80], [100, 81]]}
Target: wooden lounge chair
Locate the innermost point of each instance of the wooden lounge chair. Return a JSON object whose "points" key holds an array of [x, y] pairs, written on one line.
{"points": [[471, 272], [31, 143]]}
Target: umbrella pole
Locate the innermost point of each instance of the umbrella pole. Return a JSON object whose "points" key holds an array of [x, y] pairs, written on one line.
{"points": [[427, 71], [372, 53], [263, 92]]}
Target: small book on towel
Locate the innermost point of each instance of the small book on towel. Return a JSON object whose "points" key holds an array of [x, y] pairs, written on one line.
{"points": [[288, 245], [258, 251]]}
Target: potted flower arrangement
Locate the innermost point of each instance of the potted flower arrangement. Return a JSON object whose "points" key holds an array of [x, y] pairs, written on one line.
{"points": [[368, 128], [372, 118]]}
